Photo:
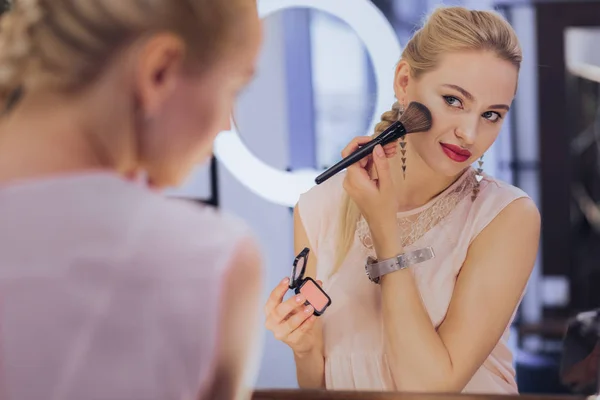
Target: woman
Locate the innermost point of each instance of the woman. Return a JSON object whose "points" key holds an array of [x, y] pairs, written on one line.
{"points": [[440, 325], [108, 289]]}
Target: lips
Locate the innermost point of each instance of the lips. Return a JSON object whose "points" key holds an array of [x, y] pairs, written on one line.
{"points": [[455, 153]]}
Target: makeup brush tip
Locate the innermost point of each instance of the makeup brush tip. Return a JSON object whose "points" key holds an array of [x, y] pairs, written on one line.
{"points": [[416, 118]]}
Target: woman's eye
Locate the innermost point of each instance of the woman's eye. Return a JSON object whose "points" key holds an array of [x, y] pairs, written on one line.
{"points": [[491, 116], [452, 101]]}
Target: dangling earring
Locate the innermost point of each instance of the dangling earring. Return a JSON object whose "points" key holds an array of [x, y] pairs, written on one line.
{"points": [[402, 145], [478, 178]]}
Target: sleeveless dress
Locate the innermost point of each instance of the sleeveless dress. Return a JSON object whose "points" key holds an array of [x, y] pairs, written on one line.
{"points": [[352, 326], [108, 290]]}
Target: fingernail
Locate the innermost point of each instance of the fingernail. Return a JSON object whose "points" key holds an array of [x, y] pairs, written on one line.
{"points": [[285, 280], [379, 151], [299, 298], [308, 310]]}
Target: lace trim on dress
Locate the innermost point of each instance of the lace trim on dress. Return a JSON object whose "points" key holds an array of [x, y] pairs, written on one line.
{"points": [[415, 226]]}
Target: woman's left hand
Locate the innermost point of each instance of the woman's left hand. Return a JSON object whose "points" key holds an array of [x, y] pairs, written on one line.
{"points": [[374, 197]]}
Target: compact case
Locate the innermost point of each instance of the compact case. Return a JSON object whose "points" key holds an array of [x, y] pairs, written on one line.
{"points": [[315, 296]]}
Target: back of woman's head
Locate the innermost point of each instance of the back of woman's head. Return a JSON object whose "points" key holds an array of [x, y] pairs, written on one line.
{"points": [[153, 80], [69, 42], [447, 30]]}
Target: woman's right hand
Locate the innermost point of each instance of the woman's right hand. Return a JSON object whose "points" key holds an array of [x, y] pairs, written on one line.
{"points": [[291, 321]]}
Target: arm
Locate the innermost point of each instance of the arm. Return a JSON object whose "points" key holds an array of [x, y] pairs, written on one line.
{"points": [[239, 324], [487, 292], [310, 367]]}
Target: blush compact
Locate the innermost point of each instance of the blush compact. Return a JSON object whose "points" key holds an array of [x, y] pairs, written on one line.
{"points": [[314, 294]]}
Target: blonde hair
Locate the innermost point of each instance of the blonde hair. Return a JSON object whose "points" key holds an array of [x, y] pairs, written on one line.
{"points": [[67, 43], [446, 30]]}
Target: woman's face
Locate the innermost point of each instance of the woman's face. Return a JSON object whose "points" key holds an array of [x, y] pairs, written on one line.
{"points": [[181, 131], [469, 95]]}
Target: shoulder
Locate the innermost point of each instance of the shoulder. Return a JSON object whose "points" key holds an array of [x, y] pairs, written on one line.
{"points": [[319, 207], [508, 235], [496, 188], [325, 194], [320, 199], [159, 234], [508, 200], [501, 202], [192, 238]]}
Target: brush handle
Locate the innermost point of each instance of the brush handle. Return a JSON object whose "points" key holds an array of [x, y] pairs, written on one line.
{"points": [[394, 132], [348, 161]]}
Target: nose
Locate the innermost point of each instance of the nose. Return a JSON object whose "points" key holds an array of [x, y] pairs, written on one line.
{"points": [[467, 132]]}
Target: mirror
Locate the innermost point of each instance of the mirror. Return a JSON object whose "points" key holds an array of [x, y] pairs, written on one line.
{"points": [[314, 91]]}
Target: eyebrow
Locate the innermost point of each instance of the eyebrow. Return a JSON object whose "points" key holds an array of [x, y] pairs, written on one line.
{"points": [[470, 97]]}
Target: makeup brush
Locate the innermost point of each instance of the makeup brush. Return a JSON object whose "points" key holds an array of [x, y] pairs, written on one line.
{"points": [[416, 118]]}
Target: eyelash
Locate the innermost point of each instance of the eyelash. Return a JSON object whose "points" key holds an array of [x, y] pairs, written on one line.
{"points": [[448, 100]]}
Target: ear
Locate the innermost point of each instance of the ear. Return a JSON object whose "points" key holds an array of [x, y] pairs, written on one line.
{"points": [[158, 67], [401, 80]]}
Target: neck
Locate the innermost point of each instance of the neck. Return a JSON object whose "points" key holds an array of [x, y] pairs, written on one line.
{"points": [[421, 183], [49, 134]]}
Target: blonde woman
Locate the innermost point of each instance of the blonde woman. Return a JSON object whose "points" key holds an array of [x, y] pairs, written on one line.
{"points": [[451, 249], [108, 290]]}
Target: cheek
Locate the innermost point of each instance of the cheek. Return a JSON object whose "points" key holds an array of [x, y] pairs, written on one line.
{"points": [[486, 137], [423, 144], [195, 119], [213, 112]]}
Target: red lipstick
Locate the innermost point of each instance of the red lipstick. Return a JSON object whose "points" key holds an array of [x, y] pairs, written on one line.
{"points": [[456, 153]]}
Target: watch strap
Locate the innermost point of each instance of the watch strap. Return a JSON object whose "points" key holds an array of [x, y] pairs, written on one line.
{"points": [[376, 269]]}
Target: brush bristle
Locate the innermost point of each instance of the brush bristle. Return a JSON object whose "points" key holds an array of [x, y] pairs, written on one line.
{"points": [[416, 118]]}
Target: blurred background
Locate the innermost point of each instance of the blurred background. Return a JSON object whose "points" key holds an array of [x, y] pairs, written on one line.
{"points": [[318, 86], [316, 89]]}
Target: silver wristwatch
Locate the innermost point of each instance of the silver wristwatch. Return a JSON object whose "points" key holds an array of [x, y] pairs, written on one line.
{"points": [[375, 270]]}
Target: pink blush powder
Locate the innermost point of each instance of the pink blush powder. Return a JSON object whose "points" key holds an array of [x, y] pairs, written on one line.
{"points": [[314, 295]]}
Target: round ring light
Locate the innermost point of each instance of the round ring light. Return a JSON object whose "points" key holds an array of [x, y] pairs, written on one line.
{"points": [[372, 27]]}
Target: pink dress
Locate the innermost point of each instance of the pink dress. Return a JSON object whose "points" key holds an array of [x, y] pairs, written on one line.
{"points": [[107, 290], [354, 355]]}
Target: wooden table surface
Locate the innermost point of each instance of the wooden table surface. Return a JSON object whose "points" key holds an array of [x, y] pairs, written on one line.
{"points": [[335, 395]]}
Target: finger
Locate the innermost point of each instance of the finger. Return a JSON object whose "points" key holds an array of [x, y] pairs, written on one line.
{"points": [[370, 169], [294, 312], [392, 146], [281, 312], [391, 149], [382, 166], [364, 162], [357, 177], [320, 282], [297, 319], [372, 172], [276, 296], [355, 145], [297, 335], [283, 330], [390, 153]]}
